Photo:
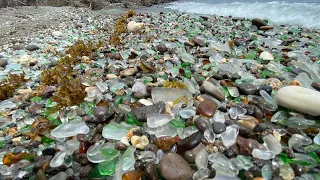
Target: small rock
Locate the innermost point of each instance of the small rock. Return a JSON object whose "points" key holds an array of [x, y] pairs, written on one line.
{"points": [[188, 43], [258, 22], [266, 88], [26, 60], [101, 112], [134, 26], [141, 113], [17, 47], [190, 156], [81, 112], [32, 47], [207, 108], [274, 83], [139, 142], [266, 56], [265, 28], [173, 167], [162, 48], [151, 172], [198, 42], [202, 124], [189, 142], [81, 159], [56, 33], [84, 170], [35, 109], [218, 127], [116, 56], [3, 63], [247, 88], [128, 72], [165, 143], [49, 151], [213, 90], [120, 146], [316, 85]]}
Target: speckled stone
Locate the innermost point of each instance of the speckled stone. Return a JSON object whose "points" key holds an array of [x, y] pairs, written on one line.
{"points": [[174, 167], [274, 83]]}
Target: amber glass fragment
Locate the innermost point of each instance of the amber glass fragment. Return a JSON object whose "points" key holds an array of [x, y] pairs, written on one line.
{"points": [[11, 158], [132, 175]]}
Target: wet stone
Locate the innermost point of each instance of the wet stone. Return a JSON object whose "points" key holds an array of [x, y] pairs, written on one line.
{"points": [[213, 90], [101, 112], [84, 170], [189, 142], [260, 127], [198, 42], [255, 171], [190, 156], [53, 171], [173, 166], [298, 169], [247, 88], [266, 88], [141, 113], [202, 124], [32, 47], [81, 112], [207, 108], [162, 48], [316, 85], [3, 62], [35, 109], [165, 143], [150, 171], [120, 146], [218, 127], [81, 159], [49, 151], [258, 22]]}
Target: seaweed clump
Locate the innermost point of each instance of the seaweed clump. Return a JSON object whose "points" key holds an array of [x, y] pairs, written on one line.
{"points": [[9, 86], [78, 50], [70, 91], [120, 27], [174, 84]]}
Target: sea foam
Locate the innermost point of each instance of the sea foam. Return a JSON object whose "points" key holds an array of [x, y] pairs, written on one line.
{"points": [[305, 14]]}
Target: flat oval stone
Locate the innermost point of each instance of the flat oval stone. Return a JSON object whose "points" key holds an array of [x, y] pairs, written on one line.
{"points": [[213, 90], [173, 167], [207, 108], [300, 99], [218, 127], [247, 88], [202, 124], [189, 142], [165, 143]]}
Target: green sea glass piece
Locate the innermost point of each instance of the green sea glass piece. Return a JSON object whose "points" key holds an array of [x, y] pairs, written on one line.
{"points": [[109, 153], [107, 168]]}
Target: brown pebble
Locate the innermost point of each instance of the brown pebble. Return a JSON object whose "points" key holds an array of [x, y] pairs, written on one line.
{"points": [[207, 108]]}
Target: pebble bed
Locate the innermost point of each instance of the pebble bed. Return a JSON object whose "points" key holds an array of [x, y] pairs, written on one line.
{"points": [[183, 96]]}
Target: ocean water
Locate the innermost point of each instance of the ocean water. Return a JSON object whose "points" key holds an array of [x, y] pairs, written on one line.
{"points": [[304, 12]]}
